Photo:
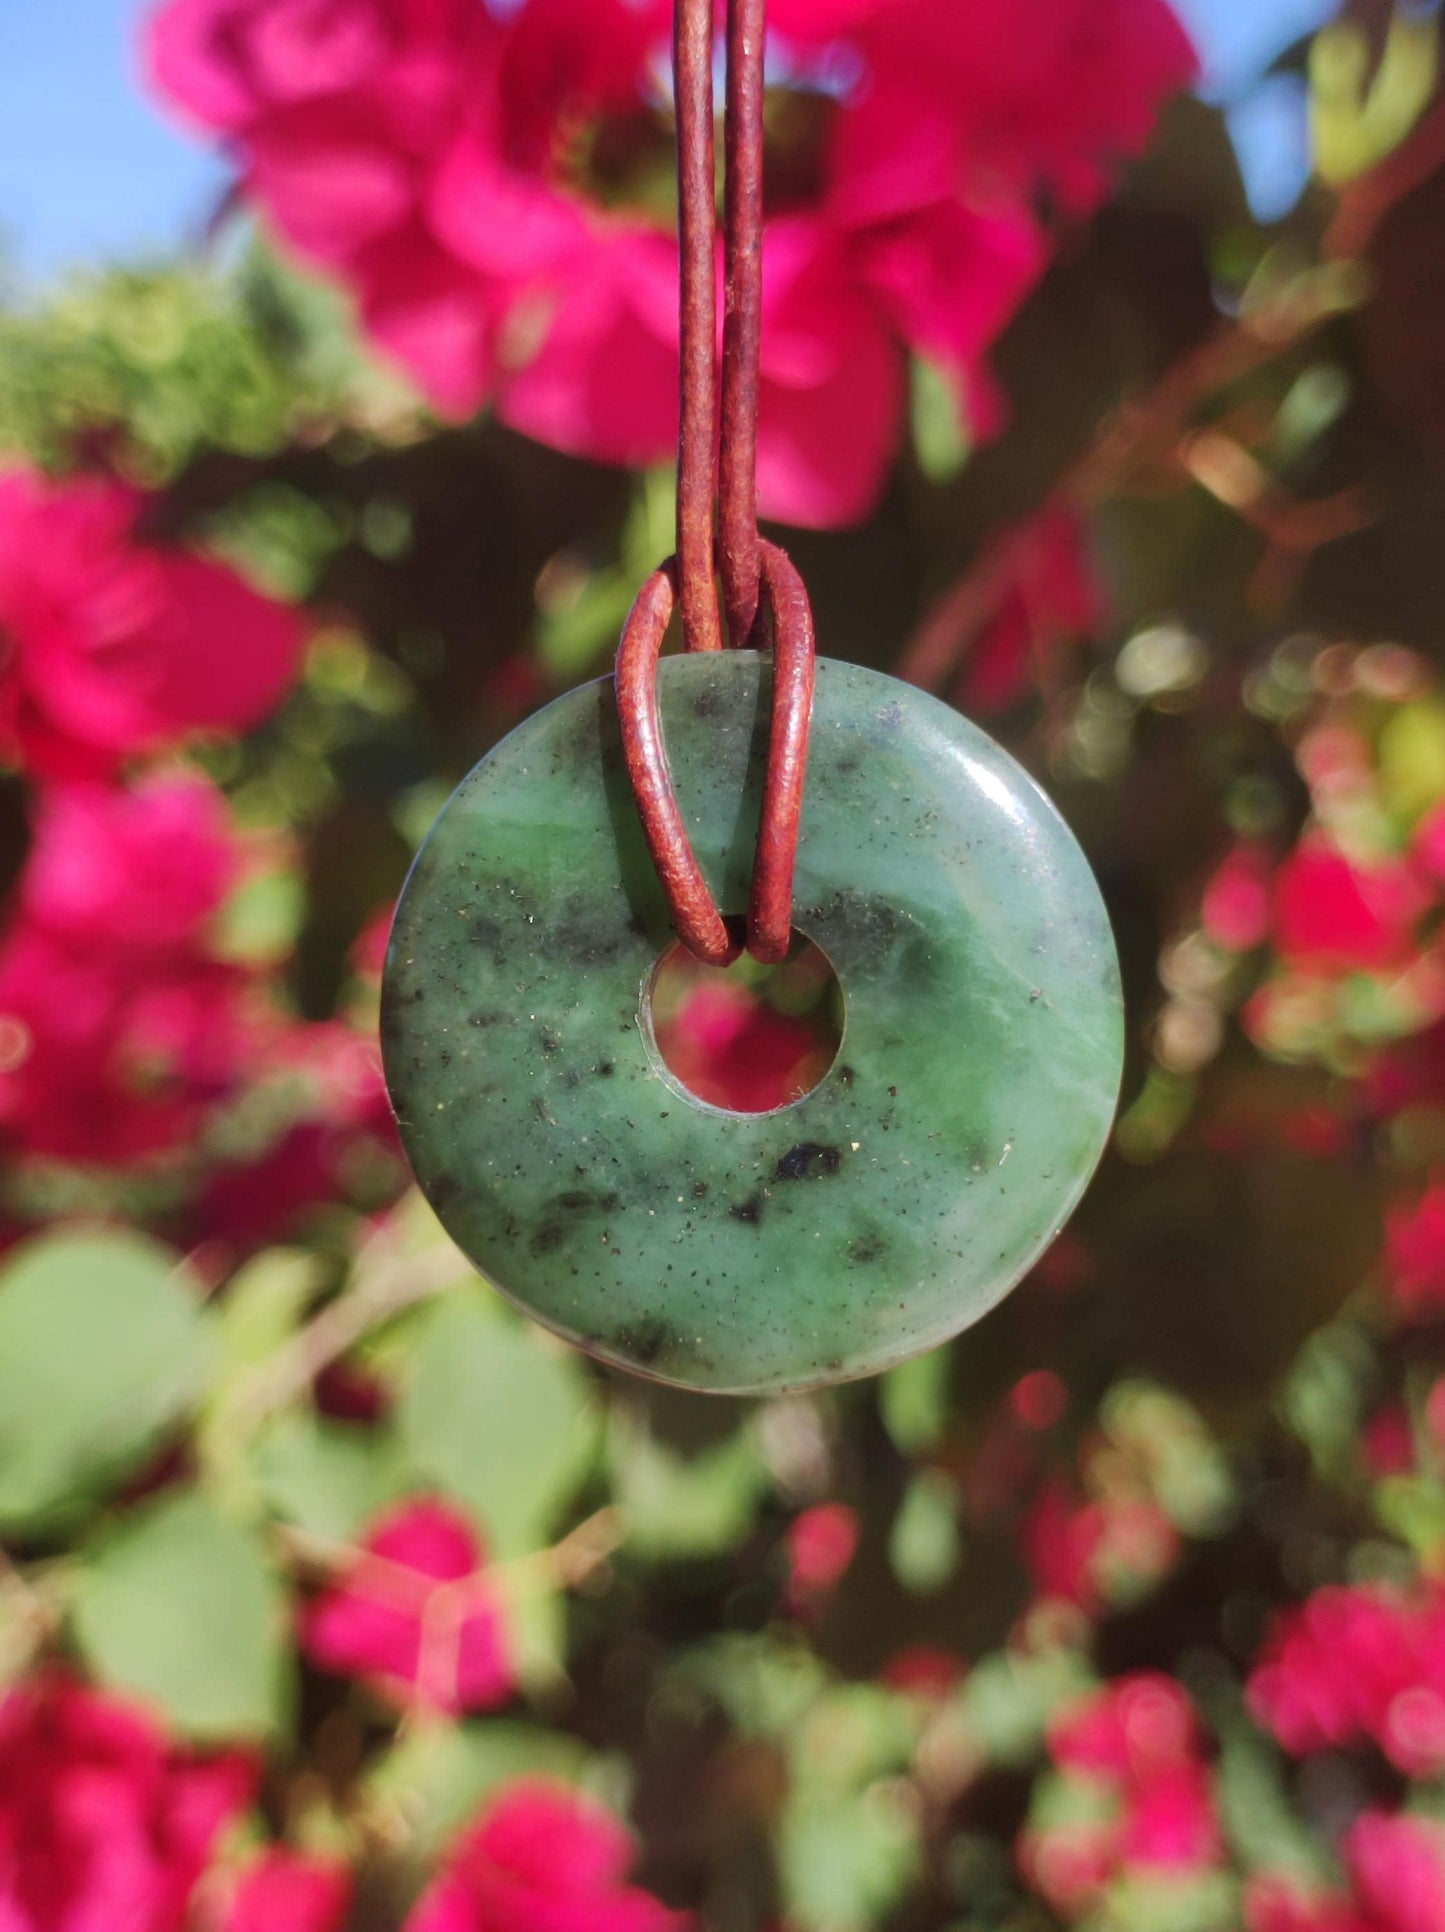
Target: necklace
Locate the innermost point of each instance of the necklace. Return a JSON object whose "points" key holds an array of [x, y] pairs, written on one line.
{"points": [[973, 1091]]}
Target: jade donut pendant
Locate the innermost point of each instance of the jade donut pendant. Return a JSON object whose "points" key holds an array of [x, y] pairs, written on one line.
{"points": [[745, 1253]]}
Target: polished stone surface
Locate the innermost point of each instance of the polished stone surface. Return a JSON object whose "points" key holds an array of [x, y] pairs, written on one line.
{"points": [[886, 1210]]}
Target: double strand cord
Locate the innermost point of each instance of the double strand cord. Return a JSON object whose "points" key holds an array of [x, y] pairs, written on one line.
{"points": [[717, 488]]}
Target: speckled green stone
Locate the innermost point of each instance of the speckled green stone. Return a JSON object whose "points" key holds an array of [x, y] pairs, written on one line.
{"points": [[885, 1211]]}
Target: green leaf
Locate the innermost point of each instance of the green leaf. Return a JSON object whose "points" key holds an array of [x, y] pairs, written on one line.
{"points": [[1413, 1508], [923, 1545], [184, 1608], [1324, 1393], [914, 1401], [1009, 1697], [844, 1863], [1412, 758], [262, 1306], [1187, 1471], [941, 438], [851, 1735], [537, 1638], [498, 1417], [103, 1347], [1147, 1901], [765, 1685], [259, 922], [1362, 108], [1264, 1830], [327, 1477], [678, 1506], [437, 1777]]}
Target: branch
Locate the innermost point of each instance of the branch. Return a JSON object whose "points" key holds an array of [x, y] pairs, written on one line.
{"points": [[386, 1284], [1140, 437]]}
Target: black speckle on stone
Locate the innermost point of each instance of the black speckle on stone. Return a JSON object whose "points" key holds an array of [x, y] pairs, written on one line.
{"points": [[647, 1342], [707, 704], [546, 1240], [809, 1161], [867, 1248], [893, 1093], [579, 1200], [482, 931], [606, 1069], [486, 1017], [750, 1211], [571, 1078], [872, 925], [586, 933], [548, 1042], [699, 1190], [847, 1075]]}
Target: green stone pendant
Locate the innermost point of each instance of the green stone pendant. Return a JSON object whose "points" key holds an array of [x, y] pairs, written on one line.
{"points": [[886, 1210]]}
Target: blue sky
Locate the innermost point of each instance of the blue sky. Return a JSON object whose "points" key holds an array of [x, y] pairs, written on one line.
{"points": [[89, 170], [87, 167]]}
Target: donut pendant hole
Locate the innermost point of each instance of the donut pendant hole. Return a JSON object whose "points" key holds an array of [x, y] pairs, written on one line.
{"points": [[745, 1038]]}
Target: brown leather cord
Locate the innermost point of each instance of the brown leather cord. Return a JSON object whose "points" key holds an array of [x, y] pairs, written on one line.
{"points": [[758, 579], [697, 242], [742, 317], [699, 924], [770, 913], [695, 917]]}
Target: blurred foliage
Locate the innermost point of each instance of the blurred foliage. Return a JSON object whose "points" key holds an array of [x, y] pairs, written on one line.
{"points": [[835, 1722]]}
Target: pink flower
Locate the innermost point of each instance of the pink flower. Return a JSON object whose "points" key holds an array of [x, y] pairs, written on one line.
{"points": [[1409, 1074], [729, 1047], [1435, 1413], [143, 870], [115, 647], [1427, 845], [1415, 1254], [339, 1140], [103, 1822], [1397, 1873], [1048, 596], [1277, 1902], [925, 1671], [489, 182], [1088, 1553], [1235, 908], [120, 1028], [104, 1063], [1387, 1442], [1357, 1663], [1060, 1538], [416, 1616], [1171, 1823], [1070, 1865], [1131, 1730], [1398, 1869], [285, 1891], [1136, 1743], [821, 1543], [1332, 916], [541, 1859]]}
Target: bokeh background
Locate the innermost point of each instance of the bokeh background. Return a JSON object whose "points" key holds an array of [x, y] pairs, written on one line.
{"points": [[1104, 396]]}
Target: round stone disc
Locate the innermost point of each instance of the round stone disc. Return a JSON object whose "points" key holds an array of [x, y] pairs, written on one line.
{"points": [[886, 1210]]}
